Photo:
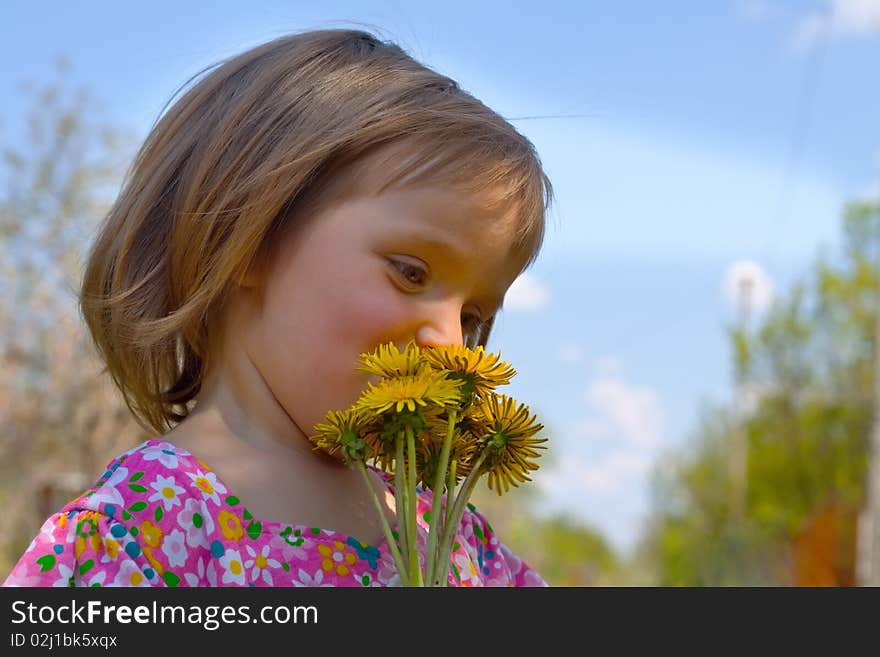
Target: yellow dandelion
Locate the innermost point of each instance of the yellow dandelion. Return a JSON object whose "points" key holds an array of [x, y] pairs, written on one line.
{"points": [[480, 371], [410, 393], [509, 446], [342, 435], [389, 362], [431, 445]]}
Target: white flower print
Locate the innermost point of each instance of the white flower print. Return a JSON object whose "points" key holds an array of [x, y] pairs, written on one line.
{"points": [[260, 562], [97, 580], [163, 452], [166, 491], [107, 493], [233, 571], [197, 578], [66, 573], [197, 521], [174, 548], [211, 573], [466, 569], [208, 484], [194, 579], [307, 580], [130, 575]]}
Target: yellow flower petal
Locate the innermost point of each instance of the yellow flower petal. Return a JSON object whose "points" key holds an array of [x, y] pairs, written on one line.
{"points": [[388, 361]]}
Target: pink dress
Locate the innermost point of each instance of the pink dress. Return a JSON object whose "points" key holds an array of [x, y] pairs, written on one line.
{"points": [[160, 517]]}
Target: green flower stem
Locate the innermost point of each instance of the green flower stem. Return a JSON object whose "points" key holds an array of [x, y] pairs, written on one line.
{"points": [[437, 491], [450, 492], [415, 569], [449, 531], [389, 537], [400, 500], [447, 515]]}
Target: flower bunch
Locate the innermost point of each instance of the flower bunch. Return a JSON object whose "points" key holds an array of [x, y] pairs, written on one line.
{"points": [[433, 418]]}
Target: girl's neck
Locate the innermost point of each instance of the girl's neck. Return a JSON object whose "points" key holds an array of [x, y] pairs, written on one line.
{"points": [[285, 483], [240, 429]]}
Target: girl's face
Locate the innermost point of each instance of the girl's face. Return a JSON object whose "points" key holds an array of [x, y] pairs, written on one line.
{"points": [[422, 263]]}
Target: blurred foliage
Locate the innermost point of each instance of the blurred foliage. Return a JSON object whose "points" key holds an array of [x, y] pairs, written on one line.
{"points": [[60, 420], [564, 551], [807, 374]]}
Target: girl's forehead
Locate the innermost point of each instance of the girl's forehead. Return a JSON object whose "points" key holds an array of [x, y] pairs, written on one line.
{"points": [[443, 213]]}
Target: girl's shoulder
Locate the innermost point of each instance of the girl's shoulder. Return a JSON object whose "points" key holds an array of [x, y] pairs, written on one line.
{"points": [[159, 516], [156, 473]]}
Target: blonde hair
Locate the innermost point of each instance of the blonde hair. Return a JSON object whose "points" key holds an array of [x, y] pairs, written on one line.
{"points": [[244, 152]]}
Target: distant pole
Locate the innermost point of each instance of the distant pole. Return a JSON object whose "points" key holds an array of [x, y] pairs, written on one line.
{"points": [[739, 456], [868, 545]]}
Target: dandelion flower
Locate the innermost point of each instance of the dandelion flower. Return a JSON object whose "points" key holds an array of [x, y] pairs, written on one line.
{"points": [[481, 372], [429, 450], [342, 434], [409, 392], [388, 362], [509, 445]]}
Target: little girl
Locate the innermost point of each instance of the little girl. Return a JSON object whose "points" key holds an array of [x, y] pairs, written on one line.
{"points": [[302, 203]]}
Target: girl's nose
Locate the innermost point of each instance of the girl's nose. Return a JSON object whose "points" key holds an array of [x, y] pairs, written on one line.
{"points": [[440, 331]]}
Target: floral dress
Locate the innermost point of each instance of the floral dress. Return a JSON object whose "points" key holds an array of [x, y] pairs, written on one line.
{"points": [[160, 517]]}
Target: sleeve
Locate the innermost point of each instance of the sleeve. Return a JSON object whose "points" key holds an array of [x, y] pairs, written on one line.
{"points": [[496, 564], [83, 548]]}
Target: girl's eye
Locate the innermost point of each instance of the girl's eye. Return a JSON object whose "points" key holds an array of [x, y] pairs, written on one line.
{"points": [[412, 274]]}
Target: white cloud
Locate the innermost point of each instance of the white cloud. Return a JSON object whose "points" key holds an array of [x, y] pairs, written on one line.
{"points": [[633, 413], [844, 18], [609, 452], [526, 293], [595, 428], [747, 282], [577, 477]]}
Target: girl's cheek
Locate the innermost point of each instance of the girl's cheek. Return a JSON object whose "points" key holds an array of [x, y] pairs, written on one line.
{"points": [[379, 316]]}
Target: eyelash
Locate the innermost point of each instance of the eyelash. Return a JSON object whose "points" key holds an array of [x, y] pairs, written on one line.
{"points": [[400, 267]]}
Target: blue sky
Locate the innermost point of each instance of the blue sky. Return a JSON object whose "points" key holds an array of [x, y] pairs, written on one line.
{"points": [[710, 133]]}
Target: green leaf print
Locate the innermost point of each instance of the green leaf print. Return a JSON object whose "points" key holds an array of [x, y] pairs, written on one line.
{"points": [[137, 488], [158, 513], [137, 506], [254, 530], [136, 476], [47, 562]]}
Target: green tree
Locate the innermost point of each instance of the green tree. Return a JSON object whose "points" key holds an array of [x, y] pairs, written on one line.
{"points": [[807, 437]]}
